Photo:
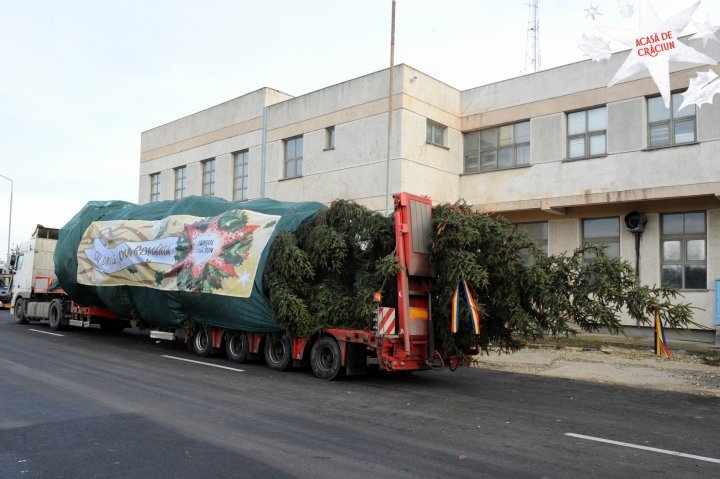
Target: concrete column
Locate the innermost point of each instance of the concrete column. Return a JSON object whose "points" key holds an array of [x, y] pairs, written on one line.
{"points": [[625, 125], [254, 178], [167, 185], [224, 173], [547, 138], [193, 183], [563, 236], [144, 189]]}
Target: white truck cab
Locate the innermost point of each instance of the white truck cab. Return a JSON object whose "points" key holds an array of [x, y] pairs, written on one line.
{"points": [[34, 267]]}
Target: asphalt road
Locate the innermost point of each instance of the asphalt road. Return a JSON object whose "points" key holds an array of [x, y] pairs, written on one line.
{"points": [[89, 404]]}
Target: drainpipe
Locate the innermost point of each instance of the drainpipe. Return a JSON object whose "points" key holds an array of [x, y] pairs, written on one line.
{"points": [[263, 159], [717, 312], [635, 222]]}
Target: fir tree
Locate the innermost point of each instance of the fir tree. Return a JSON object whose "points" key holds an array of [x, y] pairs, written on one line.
{"points": [[324, 276]]}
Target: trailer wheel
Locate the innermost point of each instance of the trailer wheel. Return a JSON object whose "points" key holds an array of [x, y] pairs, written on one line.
{"points": [[202, 343], [237, 346], [20, 311], [326, 359], [278, 353], [55, 316]]}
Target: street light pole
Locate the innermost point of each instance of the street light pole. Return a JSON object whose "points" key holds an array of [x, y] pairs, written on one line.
{"points": [[7, 258]]}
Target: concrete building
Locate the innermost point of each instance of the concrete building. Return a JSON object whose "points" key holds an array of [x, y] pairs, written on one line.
{"points": [[557, 151]]}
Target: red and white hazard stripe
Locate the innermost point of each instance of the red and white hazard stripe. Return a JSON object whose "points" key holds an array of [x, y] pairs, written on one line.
{"points": [[386, 321]]}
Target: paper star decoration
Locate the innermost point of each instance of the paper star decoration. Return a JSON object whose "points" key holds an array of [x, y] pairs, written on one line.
{"points": [[626, 8], [702, 89], [654, 43], [592, 10], [706, 32], [594, 47]]}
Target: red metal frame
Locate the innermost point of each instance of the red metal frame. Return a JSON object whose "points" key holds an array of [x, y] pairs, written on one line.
{"points": [[413, 282], [217, 335], [298, 345], [88, 312], [254, 339]]}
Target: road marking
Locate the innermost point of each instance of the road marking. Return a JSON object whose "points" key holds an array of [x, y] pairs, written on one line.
{"points": [[203, 363], [645, 448], [47, 332]]}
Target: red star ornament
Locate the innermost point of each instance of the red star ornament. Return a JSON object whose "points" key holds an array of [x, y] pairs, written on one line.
{"points": [[207, 247]]}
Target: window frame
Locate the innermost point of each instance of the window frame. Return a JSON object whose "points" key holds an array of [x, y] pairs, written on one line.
{"points": [[180, 190], [586, 135], [19, 262], [684, 238], [431, 129], [542, 244], [295, 160], [671, 121], [602, 240], [154, 187], [208, 177], [330, 138], [243, 177], [478, 154]]}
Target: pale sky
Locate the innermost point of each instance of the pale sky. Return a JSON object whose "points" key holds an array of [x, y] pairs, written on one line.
{"points": [[81, 80]]}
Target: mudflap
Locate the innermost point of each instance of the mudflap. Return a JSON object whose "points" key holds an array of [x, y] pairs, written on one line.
{"points": [[356, 359], [301, 363]]}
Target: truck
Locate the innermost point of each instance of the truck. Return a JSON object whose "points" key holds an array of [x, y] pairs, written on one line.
{"points": [[5, 290], [401, 338], [36, 296]]}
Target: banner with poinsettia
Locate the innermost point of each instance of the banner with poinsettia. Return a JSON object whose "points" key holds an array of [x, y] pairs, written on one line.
{"points": [[216, 255]]}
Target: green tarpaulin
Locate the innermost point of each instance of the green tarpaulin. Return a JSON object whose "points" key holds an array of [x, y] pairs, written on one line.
{"points": [[169, 309]]}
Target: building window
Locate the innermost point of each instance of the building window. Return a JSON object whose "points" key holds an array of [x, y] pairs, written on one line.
{"points": [[330, 138], [154, 187], [602, 232], [435, 134], [684, 251], [293, 157], [670, 126], [240, 178], [497, 148], [208, 178], [180, 177], [587, 133], [539, 233]]}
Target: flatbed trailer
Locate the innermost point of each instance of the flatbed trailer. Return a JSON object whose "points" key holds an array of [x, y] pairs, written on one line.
{"points": [[401, 338]]}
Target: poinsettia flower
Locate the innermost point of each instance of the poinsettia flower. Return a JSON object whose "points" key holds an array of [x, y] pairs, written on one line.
{"points": [[207, 247]]}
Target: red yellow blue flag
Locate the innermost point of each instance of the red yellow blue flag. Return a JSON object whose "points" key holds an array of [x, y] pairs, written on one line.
{"points": [[471, 304], [455, 316], [660, 342]]}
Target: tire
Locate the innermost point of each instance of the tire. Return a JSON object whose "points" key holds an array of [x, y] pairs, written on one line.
{"points": [[112, 325], [326, 359], [237, 346], [20, 311], [202, 343], [55, 316], [278, 353]]}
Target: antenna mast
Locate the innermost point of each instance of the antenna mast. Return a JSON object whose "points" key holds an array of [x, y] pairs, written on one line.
{"points": [[532, 44]]}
